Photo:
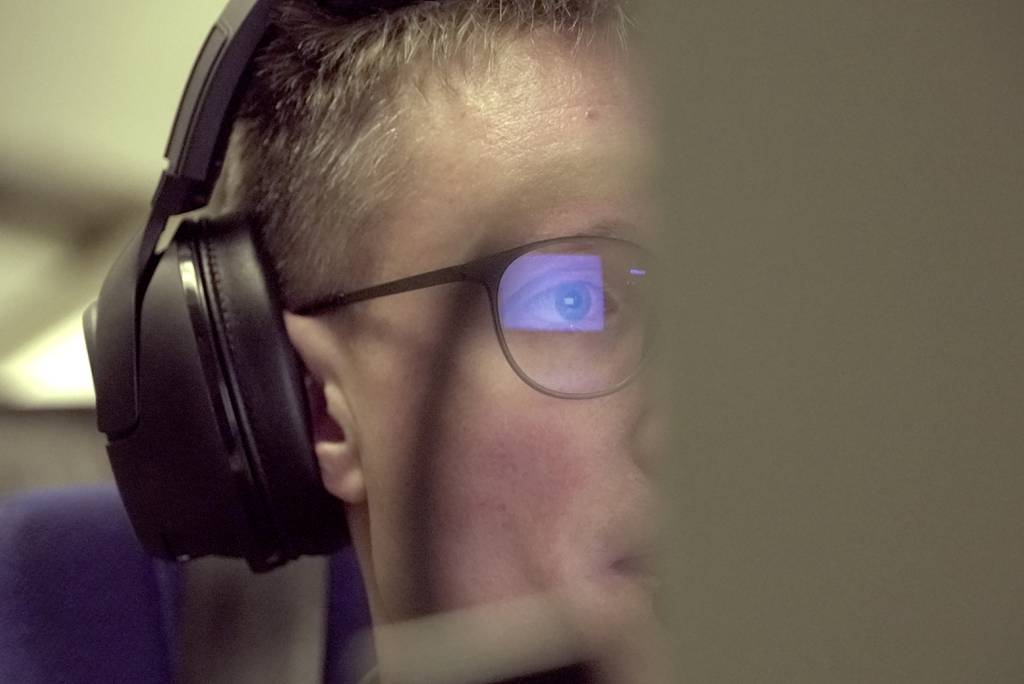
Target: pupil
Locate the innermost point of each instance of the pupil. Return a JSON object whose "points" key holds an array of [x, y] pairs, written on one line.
{"points": [[572, 301]]}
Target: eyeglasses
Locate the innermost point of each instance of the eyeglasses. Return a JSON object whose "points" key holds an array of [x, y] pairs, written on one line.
{"points": [[574, 315]]}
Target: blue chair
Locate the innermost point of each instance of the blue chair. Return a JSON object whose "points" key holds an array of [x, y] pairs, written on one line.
{"points": [[81, 602]]}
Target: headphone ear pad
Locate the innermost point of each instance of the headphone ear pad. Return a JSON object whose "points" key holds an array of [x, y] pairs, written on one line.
{"points": [[266, 384]]}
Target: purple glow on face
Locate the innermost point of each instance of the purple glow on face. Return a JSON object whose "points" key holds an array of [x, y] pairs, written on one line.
{"points": [[553, 292]]}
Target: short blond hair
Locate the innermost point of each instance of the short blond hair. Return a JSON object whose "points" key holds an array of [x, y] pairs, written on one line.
{"points": [[316, 155]]}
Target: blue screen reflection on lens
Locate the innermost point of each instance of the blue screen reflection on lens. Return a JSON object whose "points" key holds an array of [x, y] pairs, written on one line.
{"points": [[553, 292]]}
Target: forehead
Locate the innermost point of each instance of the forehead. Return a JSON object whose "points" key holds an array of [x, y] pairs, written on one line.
{"points": [[543, 141]]}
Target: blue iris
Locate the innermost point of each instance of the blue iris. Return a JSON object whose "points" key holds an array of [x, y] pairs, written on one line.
{"points": [[553, 292], [572, 301]]}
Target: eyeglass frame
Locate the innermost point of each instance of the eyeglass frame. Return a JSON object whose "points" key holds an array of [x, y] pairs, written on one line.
{"points": [[487, 271]]}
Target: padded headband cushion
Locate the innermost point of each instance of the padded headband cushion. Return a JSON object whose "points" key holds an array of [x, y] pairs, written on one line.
{"points": [[266, 383]]}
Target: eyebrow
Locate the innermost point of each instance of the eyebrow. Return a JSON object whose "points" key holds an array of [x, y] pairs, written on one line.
{"points": [[521, 216], [616, 228]]}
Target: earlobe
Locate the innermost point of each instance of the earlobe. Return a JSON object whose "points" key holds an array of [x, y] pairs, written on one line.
{"points": [[337, 450], [334, 433], [341, 471]]}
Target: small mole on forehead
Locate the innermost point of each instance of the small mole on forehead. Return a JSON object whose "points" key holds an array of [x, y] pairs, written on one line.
{"points": [[591, 114]]}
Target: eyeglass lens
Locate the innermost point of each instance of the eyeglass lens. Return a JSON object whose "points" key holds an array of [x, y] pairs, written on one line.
{"points": [[574, 314]]}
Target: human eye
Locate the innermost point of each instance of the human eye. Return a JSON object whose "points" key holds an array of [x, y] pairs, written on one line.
{"points": [[555, 293]]}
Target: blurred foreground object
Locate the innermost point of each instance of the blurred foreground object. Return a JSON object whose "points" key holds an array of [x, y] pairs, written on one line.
{"points": [[845, 198]]}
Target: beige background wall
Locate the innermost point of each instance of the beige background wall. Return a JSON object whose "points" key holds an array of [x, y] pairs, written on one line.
{"points": [[50, 449], [88, 92], [845, 188]]}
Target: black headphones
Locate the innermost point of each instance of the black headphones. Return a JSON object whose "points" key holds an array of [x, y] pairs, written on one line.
{"points": [[198, 389]]}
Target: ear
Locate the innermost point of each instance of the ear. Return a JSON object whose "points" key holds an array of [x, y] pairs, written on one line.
{"points": [[335, 435]]}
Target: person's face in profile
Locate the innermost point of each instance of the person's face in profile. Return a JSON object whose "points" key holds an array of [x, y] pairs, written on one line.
{"points": [[463, 484]]}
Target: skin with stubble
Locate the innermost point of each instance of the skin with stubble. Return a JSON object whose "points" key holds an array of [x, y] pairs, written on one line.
{"points": [[463, 485]]}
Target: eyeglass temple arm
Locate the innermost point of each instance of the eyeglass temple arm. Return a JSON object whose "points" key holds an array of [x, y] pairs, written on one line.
{"points": [[452, 274]]}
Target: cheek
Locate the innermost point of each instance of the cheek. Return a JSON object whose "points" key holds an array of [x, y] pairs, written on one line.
{"points": [[518, 499], [485, 491], [520, 465]]}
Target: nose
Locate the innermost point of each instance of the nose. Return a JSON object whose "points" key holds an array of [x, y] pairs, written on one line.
{"points": [[648, 424], [649, 436]]}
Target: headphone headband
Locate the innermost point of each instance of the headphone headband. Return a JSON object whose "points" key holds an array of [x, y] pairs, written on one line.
{"points": [[205, 111], [198, 389], [194, 154]]}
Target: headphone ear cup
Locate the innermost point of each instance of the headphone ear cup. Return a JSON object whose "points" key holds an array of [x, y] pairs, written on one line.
{"points": [[294, 515], [219, 459]]}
